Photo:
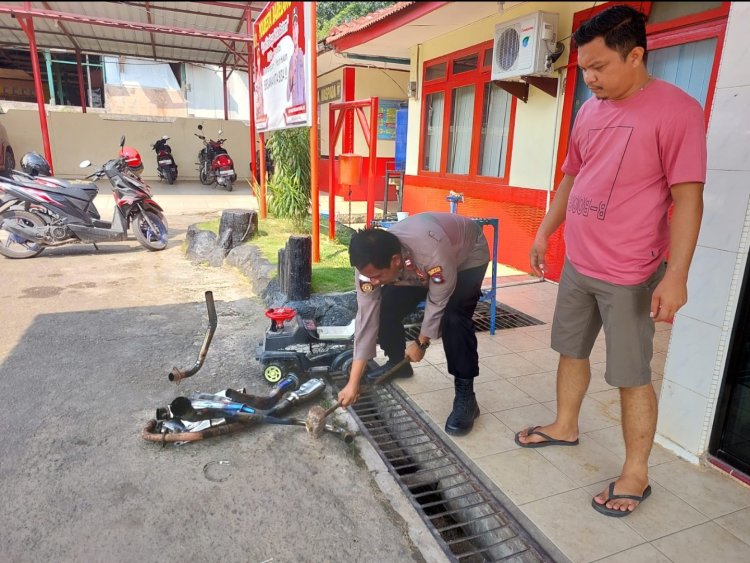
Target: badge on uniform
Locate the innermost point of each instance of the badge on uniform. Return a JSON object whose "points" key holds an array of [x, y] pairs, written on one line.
{"points": [[436, 274], [365, 285]]}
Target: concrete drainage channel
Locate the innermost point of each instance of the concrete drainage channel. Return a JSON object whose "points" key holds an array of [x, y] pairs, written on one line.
{"points": [[466, 519]]}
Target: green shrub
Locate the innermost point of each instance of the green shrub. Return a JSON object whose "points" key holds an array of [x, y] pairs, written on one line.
{"points": [[289, 188]]}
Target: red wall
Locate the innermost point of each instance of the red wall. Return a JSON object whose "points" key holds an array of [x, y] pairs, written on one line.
{"points": [[519, 211]]}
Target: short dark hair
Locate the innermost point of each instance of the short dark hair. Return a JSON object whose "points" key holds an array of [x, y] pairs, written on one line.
{"points": [[621, 27], [373, 246]]}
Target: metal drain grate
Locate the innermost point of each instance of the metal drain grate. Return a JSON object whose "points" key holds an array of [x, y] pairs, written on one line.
{"points": [[466, 519], [505, 317]]}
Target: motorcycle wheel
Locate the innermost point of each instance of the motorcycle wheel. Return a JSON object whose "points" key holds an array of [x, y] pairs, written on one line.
{"points": [[169, 175], [228, 185], [14, 246], [155, 238], [204, 177]]}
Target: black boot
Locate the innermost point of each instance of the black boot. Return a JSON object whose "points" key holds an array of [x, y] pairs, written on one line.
{"points": [[404, 371], [465, 409]]}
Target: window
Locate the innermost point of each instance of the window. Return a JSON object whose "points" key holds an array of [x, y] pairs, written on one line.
{"points": [[467, 121], [459, 140], [495, 128], [433, 131], [683, 40]]}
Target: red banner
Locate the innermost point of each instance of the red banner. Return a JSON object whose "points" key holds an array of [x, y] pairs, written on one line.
{"points": [[282, 66]]}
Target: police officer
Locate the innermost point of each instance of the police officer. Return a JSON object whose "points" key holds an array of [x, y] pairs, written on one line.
{"points": [[438, 257]]}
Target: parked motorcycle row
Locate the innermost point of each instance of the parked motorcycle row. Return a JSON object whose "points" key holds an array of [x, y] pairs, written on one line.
{"points": [[39, 211]]}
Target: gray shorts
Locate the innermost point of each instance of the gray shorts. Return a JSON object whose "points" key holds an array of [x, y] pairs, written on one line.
{"points": [[585, 304]]}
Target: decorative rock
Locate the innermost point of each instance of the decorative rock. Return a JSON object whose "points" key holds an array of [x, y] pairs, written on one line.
{"points": [[241, 223]]}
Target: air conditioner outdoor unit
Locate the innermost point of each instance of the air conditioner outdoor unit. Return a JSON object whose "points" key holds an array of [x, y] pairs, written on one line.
{"points": [[522, 46]]}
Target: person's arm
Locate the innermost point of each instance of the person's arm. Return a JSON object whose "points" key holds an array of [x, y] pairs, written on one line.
{"points": [[671, 293], [350, 393], [551, 222]]}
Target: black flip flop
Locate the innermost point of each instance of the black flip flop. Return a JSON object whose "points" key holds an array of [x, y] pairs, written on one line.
{"points": [[550, 441], [612, 496]]}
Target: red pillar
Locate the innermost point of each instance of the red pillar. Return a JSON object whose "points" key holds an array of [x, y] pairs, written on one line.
{"points": [[262, 198], [314, 149], [331, 172], [27, 24], [347, 95], [226, 92], [81, 85], [251, 87], [373, 159]]}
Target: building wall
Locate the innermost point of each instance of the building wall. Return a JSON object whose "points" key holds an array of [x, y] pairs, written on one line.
{"points": [[325, 80], [368, 82], [386, 85], [204, 91], [97, 136], [702, 329], [535, 138]]}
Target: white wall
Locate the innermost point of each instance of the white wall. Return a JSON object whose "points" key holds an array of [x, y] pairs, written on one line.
{"points": [[124, 71], [204, 91], [702, 329]]}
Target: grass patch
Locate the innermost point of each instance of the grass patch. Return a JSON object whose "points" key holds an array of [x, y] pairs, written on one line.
{"points": [[332, 274], [212, 226]]}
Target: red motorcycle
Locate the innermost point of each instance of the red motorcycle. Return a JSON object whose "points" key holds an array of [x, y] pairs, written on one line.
{"points": [[214, 163]]}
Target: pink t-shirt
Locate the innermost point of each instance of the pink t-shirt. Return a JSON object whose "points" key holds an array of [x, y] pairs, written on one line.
{"points": [[625, 155]]}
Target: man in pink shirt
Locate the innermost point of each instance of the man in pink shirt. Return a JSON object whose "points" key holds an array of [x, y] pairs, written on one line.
{"points": [[638, 146]]}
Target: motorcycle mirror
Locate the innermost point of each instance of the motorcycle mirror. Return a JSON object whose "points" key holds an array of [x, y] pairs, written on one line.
{"points": [[85, 164], [220, 132], [122, 141], [200, 127]]}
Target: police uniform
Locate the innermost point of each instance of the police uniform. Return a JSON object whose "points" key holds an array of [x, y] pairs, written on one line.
{"points": [[445, 258]]}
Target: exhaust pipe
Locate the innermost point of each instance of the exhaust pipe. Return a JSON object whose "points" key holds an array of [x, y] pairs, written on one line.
{"points": [[177, 374], [27, 233], [289, 383]]}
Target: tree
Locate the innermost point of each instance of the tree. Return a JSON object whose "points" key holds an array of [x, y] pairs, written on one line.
{"points": [[330, 14]]}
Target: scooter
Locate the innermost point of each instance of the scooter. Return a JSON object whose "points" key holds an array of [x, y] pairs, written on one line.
{"points": [[165, 164], [44, 213], [214, 163]]}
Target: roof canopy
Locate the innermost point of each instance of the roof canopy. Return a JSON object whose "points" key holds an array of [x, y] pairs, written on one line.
{"points": [[198, 32]]}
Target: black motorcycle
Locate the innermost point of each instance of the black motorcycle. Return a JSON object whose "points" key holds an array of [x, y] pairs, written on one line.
{"points": [[43, 211], [165, 164]]}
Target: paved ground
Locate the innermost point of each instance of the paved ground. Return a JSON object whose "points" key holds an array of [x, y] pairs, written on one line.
{"points": [[88, 340]]}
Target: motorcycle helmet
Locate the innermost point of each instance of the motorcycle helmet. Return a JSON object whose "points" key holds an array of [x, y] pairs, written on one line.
{"points": [[34, 164], [132, 159]]}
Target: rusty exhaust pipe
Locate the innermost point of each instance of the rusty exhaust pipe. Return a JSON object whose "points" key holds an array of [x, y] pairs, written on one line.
{"points": [[177, 374]]}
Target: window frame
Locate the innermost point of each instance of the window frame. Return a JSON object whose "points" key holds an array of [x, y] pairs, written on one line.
{"points": [[447, 84], [679, 31]]}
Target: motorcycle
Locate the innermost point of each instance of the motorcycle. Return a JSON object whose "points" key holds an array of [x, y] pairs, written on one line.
{"points": [[43, 212], [165, 164], [214, 163]]}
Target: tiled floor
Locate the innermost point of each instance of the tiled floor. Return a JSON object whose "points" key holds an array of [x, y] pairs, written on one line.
{"points": [[694, 513]]}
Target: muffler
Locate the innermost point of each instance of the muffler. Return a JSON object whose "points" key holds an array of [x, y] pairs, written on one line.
{"points": [[27, 233]]}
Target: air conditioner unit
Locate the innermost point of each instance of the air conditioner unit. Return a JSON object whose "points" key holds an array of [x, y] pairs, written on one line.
{"points": [[522, 46]]}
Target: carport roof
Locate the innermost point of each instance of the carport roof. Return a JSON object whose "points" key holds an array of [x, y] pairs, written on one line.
{"points": [[199, 32]]}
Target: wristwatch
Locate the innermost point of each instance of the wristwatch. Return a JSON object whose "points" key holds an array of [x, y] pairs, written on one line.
{"points": [[423, 345]]}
